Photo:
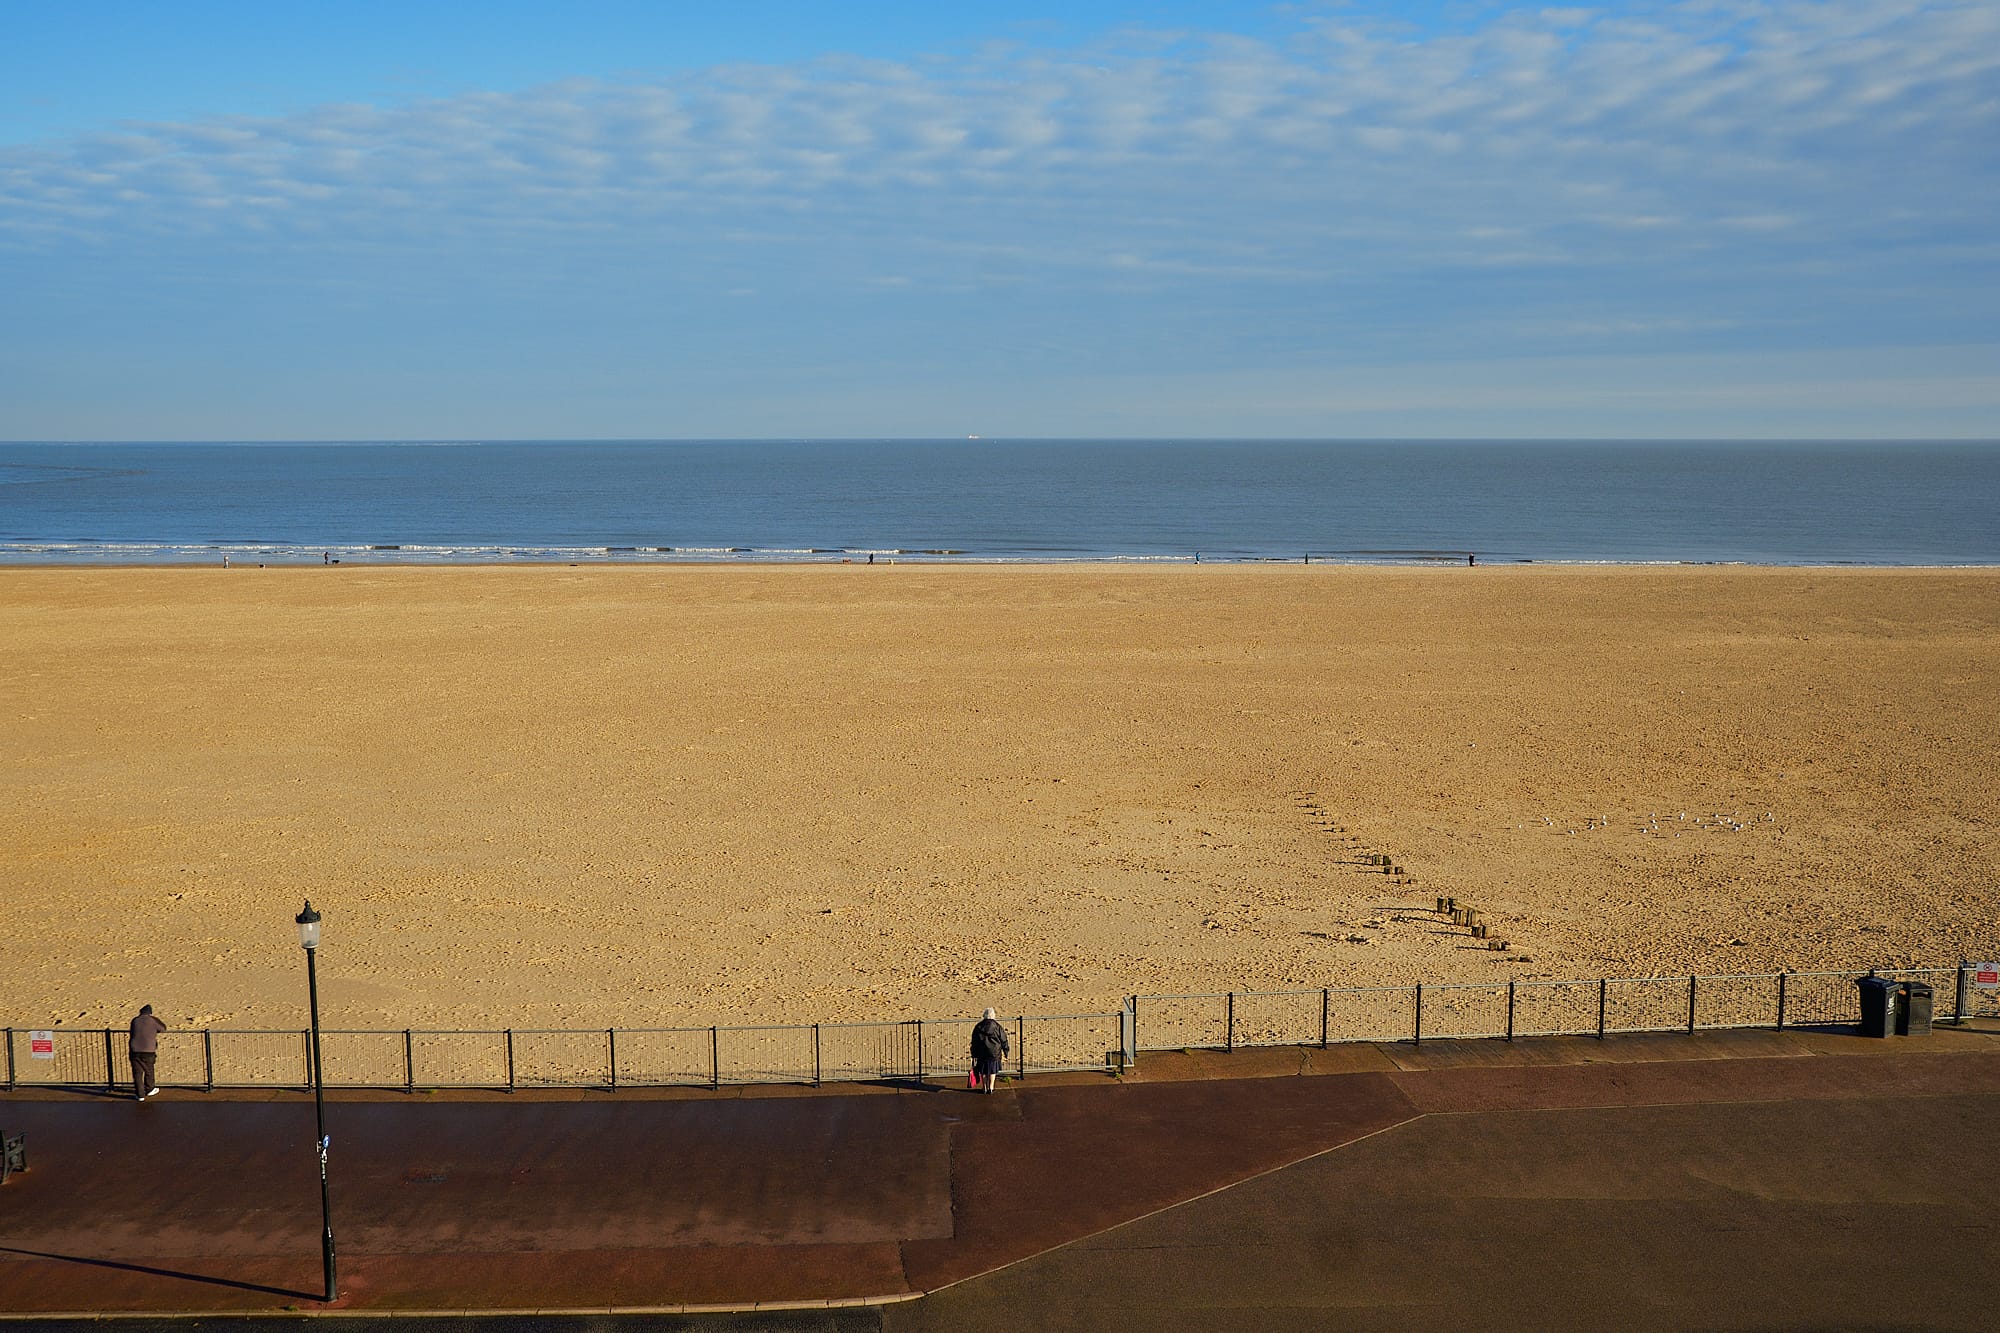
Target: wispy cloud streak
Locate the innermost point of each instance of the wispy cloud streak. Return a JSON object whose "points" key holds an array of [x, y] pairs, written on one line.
{"points": [[1683, 175], [1558, 133]]}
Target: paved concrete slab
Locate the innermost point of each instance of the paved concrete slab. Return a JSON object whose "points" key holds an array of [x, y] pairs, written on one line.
{"points": [[212, 1203], [431, 1178], [1864, 1213], [1696, 1081], [1078, 1160], [658, 1200]]}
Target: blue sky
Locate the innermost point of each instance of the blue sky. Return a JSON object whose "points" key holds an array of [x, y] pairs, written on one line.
{"points": [[622, 219]]}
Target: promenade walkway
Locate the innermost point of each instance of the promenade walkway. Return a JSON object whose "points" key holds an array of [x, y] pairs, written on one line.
{"points": [[1741, 1179]]}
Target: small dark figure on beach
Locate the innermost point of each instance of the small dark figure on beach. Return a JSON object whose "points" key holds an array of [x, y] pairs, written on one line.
{"points": [[146, 1030], [989, 1050], [1471, 558]]}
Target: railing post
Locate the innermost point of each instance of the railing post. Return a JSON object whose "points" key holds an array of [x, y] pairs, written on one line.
{"points": [[409, 1063], [1128, 1030], [1601, 984], [510, 1059], [207, 1060], [714, 1057], [1690, 1006], [1229, 1024], [815, 1055], [1417, 1033], [1958, 1000], [1135, 1028], [920, 1049], [1781, 999], [1510, 1009], [1325, 1013], [611, 1055], [1020, 1047], [110, 1074], [10, 1059]]}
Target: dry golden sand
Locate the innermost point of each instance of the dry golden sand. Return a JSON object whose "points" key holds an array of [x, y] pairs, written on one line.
{"points": [[654, 796]]}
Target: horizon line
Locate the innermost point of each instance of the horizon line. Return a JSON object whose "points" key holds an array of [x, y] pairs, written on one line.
{"points": [[423, 440]]}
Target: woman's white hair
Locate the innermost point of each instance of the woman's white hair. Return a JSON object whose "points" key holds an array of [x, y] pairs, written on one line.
{"points": [[989, 1014]]}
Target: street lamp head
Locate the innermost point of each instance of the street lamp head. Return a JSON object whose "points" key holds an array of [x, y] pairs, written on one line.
{"points": [[308, 927]]}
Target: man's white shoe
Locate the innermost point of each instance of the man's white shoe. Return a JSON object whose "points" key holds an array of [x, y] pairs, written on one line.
{"points": [[154, 1093]]}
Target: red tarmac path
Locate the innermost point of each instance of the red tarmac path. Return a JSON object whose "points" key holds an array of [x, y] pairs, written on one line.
{"points": [[654, 1200]]}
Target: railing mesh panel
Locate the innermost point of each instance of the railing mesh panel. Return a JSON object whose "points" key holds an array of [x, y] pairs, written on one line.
{"points": [[1822, 997], [459, 1059], [545, 1059], [1646, 1004], [665, 1057], [865, 1052], [1981, 1003], [1465, 1011], [1372, 1013], [1183, 1022], [181, 1063], [1736, 1002], [1048, 1043], [76, 1058], [1555, 1008], [764, 1054], [1278, 1018], [362, 1059], [261, 1059]]}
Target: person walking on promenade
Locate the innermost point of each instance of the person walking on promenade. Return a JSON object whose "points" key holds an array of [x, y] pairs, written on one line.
{"points": [[146, 1030], [989, 1050]]}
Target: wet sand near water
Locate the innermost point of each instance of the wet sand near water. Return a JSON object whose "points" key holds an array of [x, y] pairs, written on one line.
{"points": [[585, 797]]}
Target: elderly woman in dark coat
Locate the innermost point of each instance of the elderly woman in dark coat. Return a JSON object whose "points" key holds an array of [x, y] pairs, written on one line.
{"points": [[989, 1050]]}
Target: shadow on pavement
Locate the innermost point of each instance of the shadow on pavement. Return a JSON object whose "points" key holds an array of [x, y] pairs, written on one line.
{"points": [[163, 1272]]}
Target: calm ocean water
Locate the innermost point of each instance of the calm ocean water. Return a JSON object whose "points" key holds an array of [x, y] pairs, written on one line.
{"points": [[1797, 502]]}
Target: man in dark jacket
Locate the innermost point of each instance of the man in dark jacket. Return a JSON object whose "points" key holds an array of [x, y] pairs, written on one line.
{"points": [[146, 1030], [989, 1050]]}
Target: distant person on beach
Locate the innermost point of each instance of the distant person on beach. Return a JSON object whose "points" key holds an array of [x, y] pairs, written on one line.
{"points": [[146, 1030], [989, 1050]]}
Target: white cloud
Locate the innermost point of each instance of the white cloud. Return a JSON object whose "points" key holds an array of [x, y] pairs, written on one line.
{"points": [[1503, 124], [1676, 171]]}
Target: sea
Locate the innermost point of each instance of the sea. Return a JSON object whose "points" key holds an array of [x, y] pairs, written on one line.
{"points": [[1794, 502]]}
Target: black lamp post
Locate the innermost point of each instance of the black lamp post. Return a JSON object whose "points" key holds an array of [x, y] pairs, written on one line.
{"points": [[309, 940]]}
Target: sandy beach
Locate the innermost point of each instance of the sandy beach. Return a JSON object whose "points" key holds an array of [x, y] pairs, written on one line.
{"points": [[663, 795]]}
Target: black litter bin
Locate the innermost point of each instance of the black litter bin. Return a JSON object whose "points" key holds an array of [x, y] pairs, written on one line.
{"points": [[1913, 1017], [1881, 1005]]}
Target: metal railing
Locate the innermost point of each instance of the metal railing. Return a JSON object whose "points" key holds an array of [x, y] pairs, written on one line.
{"points": [[1508, 1009], [911, 1050], [914, 1050]]}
